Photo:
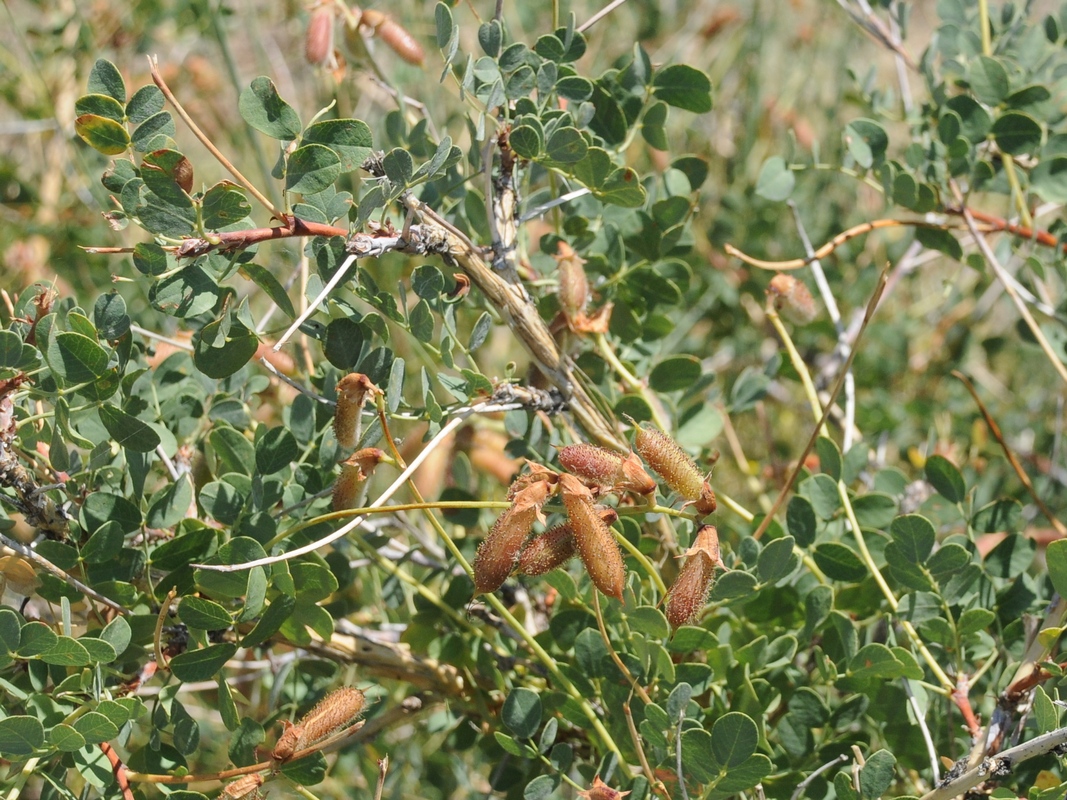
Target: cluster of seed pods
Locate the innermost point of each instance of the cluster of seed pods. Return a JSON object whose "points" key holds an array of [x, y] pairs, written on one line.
{"points": [[353, 391], [590, 472]]}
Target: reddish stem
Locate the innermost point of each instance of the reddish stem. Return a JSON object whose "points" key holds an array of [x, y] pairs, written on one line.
{"points": [[119, 769]]}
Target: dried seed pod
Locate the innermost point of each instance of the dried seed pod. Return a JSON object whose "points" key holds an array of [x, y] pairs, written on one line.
{"points": [[355, 470], [601, 791], [286, 744], [318, 43], [335, 711], [573, 283], [596, 544], [634, 478], [244, 788], [689, 592], [537, 474], [668, 460], [500, 550], [352, 391], [393, 34], [791, 297], [555, 547], [706, 503]]}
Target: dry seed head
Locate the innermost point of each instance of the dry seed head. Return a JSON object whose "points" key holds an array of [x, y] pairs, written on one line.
{"points": [[555, 547], [791, 297], [596, 544], [537, 474], [634, 478], [318, 44], [668, 460], [355, 470], [706, 503], [244, 787], [352, 391], [601, 791], [393, 34], [336, 710]]}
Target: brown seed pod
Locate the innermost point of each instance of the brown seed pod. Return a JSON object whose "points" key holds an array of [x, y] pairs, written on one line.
{"points": [[352, 392], [689, 592], [393, 34], [286, 744], [601, 791], [706, 503], [791, 297], [244, 788], [668, 460], [573, 283], [335, 711], [500, 550], [555, 547], [634, 478], [355, 470], [318, 43], [597, 465], [596, 544]]}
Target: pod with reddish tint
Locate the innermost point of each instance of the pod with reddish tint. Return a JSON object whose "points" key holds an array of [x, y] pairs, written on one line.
{"points": [[335, 711], [318, 44], [499, 552], [352, 391], [355, 470], [244, 788], [689, 592], [668, 460], [592, 535], [791, 297], [555, 547], [602, 467]]}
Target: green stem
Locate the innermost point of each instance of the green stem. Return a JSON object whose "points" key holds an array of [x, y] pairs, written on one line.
{"points": [[630, 381]]}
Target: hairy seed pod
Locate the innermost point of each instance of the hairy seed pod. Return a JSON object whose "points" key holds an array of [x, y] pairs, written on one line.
{"points": [[355, 470], [594, 464], [668, 460], [286, 744], [596, 544], [500, 550], [538, 473], [335, 711], [791, 297], [689, 593], [352, 391], [393, 34], [244, 788], [555, 547], [318, 43], [634, 478], [599, 790]]}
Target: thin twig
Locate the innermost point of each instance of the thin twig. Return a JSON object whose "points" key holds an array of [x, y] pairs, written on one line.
{"points": [[157, 643], [872, 304], [799, 791], [318, 398], [638, 688], [157, 79], [33, 557], [335, 279], [383, 768], [1002, 275], [593, 20], [920, 719], [563, 198], [678, 755], [1061, 529], [650, 776]]}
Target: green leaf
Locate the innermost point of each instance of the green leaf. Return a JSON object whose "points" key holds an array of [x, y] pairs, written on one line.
{"points": [[875, 661], [1056, 560], [100, 652], [776, 180], [801, 521], [10, 349], [10, 628], [105, 78], [170, 505], [20, 736], [101, 105], [200, 665], [237, 349], [262, 108], [734, 738], [623, 189], [223, 205], [155, 133], [66, 652], [777, 560], [345, 340], [146, 101], [1016, 133], [1049, 179], [521, 712], [188, 293], [675, 373], [877, 774], [974, 620], [866, 141], [266, 281], [312, 168], [914, 536], [232, 450], [829, 457], [421, 322], [941, 240], [744, 776], [946, 479], [350, 139], [683, 87], [110, 317], [698, 755], [207, 615], [102, 134], [988, 80], [95, 727], [566, 146], [540, 787], [118, 634], [276, 450], [527, 141], [1004, 515], [103, 507], [65, 739], [272, 620], [36, 638], [103, 545], [839, 562], [127, 430], [306, 771]]}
